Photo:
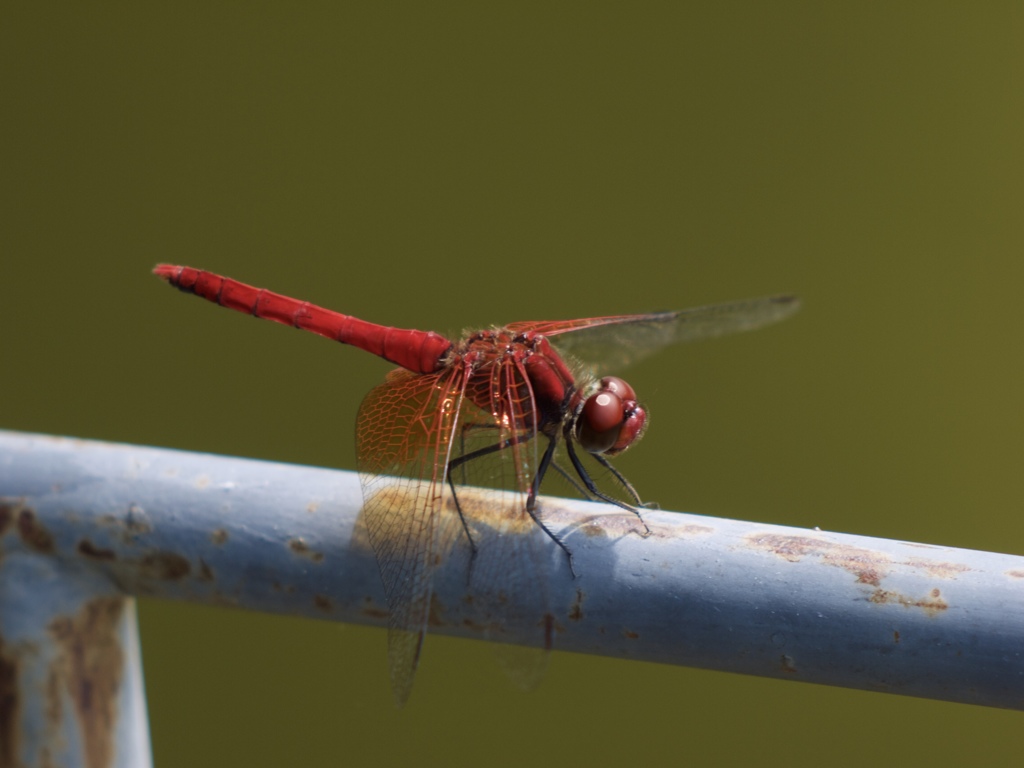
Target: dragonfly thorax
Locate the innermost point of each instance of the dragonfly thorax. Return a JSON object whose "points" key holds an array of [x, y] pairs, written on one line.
{"points": [[516, 373]]}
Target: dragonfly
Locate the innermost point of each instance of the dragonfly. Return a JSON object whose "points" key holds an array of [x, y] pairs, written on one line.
{"points": [[489, 410]]}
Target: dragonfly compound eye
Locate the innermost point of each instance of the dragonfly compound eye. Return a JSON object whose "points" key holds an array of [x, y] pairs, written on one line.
{"points": [[610, 420], [618, 386]]}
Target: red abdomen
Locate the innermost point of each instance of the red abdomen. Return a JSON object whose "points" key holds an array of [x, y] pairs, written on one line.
{"points": [[416, 351]]}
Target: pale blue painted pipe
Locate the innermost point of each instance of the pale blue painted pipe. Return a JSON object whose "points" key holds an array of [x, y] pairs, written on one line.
{"points": [[91, 520]]}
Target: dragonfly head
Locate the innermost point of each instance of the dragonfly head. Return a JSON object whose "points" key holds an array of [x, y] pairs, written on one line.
{"points": [[610, 419]]}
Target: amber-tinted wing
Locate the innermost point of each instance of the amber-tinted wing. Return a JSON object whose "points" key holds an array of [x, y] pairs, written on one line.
{"points": [[508, 580], [409, 430], [611, 343], [404, 435]]}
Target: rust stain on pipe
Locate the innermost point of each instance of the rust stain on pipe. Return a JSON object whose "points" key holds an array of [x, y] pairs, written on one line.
{"points": [[33, 533], [8, 511], [89, 666], [869, 566], [302, 549], [933, 604]]}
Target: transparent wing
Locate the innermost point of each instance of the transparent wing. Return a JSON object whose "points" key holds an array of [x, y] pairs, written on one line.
{"points": [[481, 424], [612, 343], [404, 435]]}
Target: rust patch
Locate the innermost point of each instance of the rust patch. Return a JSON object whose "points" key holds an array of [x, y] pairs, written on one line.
{"points": [[54, 706], [868, 566], [323, 603], [90, 666], [8, 510], [1017, 573], [435, 615], [302, 549], [896, 637], [205, 571], [931, 605], [937, 568], [33, 533], [87, 549], [787, 665], [372, 610], [576, 611], [630, 635], [679, 531], [164, 566], [219, 536], [549, 631], [9, 730]]}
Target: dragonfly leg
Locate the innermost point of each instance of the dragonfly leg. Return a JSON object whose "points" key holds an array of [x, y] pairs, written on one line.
{"points": [[628, 486], [592, 487], [531, 500], [454, 464]]}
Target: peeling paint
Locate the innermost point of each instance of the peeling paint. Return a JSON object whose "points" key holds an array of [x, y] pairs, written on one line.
{"points": [[89, 666]]}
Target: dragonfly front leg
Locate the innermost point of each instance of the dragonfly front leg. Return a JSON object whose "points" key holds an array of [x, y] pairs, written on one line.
{"points": [[592, 487]]}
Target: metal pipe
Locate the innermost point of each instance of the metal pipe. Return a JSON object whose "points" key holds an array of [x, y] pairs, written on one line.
{"points": [[788, 603], [71, 690]]}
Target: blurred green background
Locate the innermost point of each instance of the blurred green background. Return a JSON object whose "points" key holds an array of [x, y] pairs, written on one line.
{"points": [[449, 166]]}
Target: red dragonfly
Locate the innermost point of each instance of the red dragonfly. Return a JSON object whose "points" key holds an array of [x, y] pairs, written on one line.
{"points": [[489, 410]]}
